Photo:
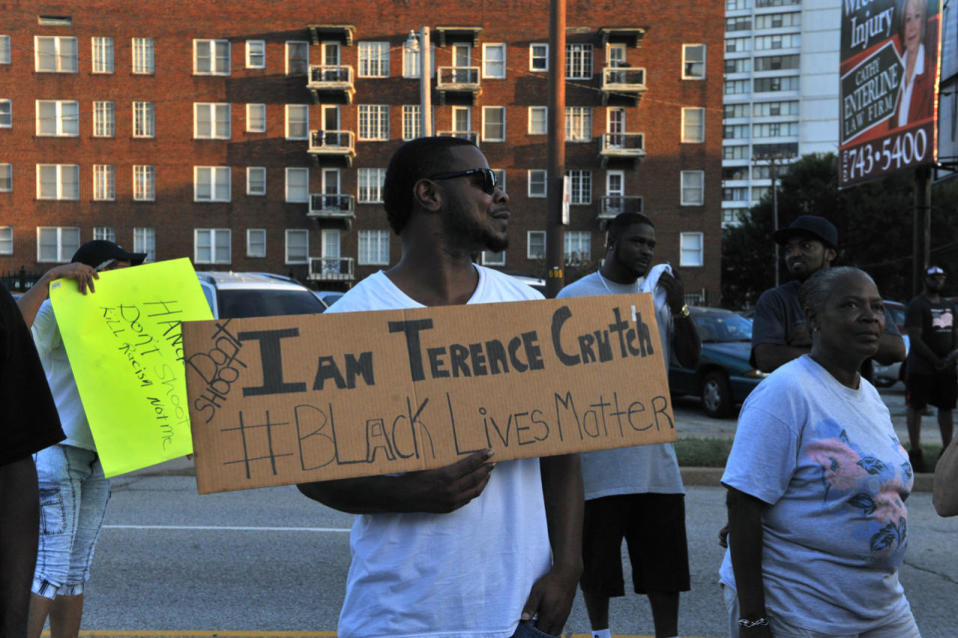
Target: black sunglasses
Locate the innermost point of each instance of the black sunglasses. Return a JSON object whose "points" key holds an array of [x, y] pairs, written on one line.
{"points": [[488, 177]]}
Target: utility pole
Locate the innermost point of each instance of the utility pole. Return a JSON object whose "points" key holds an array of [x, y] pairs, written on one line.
{"points": [[421, 42], [921, 230], [556, 148], [773, 159]]}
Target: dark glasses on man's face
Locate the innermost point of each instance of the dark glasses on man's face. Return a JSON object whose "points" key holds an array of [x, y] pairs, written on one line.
{"points": [[488, 177]]}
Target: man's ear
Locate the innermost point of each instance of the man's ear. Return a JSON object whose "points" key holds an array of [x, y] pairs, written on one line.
{"points": [[427, 196], [830, 255]]}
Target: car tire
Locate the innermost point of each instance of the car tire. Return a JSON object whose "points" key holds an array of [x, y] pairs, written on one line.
{"points": [[716, 395]]}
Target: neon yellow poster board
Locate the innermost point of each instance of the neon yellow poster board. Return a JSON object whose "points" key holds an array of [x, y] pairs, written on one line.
{"points": [[126, 351]]}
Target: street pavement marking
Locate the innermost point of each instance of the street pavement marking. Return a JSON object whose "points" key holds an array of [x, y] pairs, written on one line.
{"points": [[233, 528]]}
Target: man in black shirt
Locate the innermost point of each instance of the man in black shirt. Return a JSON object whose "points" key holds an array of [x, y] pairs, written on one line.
{"points": [[930, 376]]}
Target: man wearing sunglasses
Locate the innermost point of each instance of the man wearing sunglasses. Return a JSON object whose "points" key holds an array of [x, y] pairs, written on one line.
{"points": [[475, 548]]}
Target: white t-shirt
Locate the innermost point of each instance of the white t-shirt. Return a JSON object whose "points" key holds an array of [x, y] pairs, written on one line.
{"points": [[63, 387], [826, 459], [466, 573], [641, 469]]}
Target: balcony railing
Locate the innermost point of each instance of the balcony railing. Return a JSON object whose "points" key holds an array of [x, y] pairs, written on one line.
{"points": [[623, 81], [622, 146], [331, 205], [613, 205], [331, 269], [338, 143], [457, 78], [330, 77], [472, 136]]}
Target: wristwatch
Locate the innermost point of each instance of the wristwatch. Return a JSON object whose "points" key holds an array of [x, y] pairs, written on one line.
{"points": [[683, 312], [746, 623]]}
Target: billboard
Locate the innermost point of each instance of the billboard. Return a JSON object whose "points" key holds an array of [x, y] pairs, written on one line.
{"points": [[889, 87]]}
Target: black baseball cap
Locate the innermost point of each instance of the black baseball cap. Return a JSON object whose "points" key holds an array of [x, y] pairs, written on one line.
{"points": [[98, 252], [818, 227]]}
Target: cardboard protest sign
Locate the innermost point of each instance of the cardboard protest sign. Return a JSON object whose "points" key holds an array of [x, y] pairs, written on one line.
{"points": [[125, 348], [283, 400]]}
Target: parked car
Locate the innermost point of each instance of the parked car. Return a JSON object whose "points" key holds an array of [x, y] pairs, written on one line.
{"points": [[237, 294], [723, 376], [885, 376], [328, 297]]}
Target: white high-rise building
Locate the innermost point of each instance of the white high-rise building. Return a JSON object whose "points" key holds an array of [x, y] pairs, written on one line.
{"points": [[781, 92]]}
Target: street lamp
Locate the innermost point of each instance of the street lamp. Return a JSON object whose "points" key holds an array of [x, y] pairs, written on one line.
{"points": [[420, 42], [773, 159]]}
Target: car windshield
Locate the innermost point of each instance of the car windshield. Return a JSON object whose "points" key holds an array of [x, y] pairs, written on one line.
{"points": [[724, 326], [897, 313], [236, 304]]}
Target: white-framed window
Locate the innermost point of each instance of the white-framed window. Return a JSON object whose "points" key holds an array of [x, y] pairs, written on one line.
{"points": [[297, 246], [57, 243], [537, 182], [6, 240], [493, 124], [693, 188], [6, 178], [373, 59], [58, 181], [578, 124], [211, 57], [104, 119], [578, 61], [6, 113], [297, 184], [104, 182], [212, 246], [143, 56], [4, 49], [581, 184], [693, 124], [693, 61], [297, 121], [144, 120], [106, 233], [211, 121], [411, 60], [370, 185], [255, 242], [538, 120], [55, 54], [255, 180], [373, 122], [778, 41], [373, 248], [691, 249], [60, 118], [211, 184], [297, 57], [411, 121], [490, 258], [255, 118], [535, 244], [255, 54], [144, 241], [144, 183], [494, 60], [539, 56], [577, 245], [102, 54]]}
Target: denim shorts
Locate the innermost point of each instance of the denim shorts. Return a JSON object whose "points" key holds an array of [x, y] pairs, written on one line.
{"points": [[527, 629], [73, 498], [902, 627]]}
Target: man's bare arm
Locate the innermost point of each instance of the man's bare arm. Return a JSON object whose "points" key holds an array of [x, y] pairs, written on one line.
{"points": [[891, 349], [29, 303], [945, 496], [769, 356]]}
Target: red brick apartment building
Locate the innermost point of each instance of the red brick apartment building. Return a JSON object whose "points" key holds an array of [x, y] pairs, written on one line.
{"points": [[254, 135]]}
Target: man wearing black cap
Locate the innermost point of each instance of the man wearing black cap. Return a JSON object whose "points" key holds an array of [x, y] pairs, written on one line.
{"points": [[779, 331], [930, 375], [73, 490]]}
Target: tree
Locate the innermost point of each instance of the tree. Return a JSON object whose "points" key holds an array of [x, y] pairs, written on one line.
{"points": [[874, 223]]}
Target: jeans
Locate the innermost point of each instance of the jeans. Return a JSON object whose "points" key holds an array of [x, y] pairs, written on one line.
{"points": [[73, 499], [527, 629]]}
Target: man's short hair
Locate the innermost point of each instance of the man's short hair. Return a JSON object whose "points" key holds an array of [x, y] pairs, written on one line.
{"points": [[413, 161], [622, 221]]}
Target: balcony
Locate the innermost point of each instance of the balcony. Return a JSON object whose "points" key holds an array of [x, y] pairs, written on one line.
{"points": [[630, 36], [457, 84], [336, 32], [613, 205], [621, 146], [451, 34], [472, 136], [331, 82], [331, 269], [332, 144], [623, 84], [331, 206]]}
